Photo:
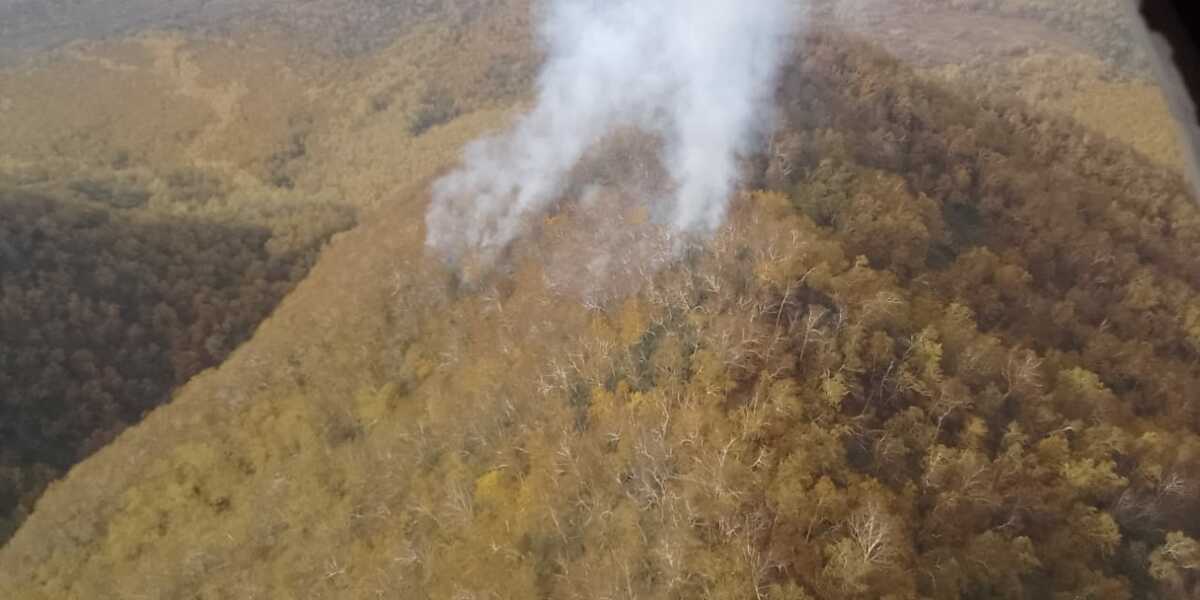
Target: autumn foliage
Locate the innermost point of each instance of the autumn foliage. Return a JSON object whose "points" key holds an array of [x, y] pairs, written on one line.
{"points": [[944, 347], [111, 297]]}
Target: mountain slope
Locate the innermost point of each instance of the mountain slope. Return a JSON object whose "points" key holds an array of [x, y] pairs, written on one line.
{"points": [[108, 301], [942, 349], [193, 191]]}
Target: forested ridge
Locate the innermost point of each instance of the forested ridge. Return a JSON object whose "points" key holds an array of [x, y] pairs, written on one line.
{"points": [[945, 347], [146, 236], [336, 27], [1104, 26], [111, 296]]}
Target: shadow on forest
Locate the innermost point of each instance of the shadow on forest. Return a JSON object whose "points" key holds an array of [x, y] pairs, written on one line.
{"points": [[104, 311]]}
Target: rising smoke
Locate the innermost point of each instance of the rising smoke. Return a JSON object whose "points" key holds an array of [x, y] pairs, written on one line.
{"points": [[696, 74]]}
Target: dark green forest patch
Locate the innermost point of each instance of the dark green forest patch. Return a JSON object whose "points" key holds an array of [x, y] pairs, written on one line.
{"points": [[107, 305]]}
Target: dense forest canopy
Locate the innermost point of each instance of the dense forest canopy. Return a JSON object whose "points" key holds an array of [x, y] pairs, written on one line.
{"points": [[1105, 27], [111, 296], [945, 346], [198, 185]]}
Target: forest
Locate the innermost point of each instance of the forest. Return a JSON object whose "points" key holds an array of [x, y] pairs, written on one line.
{"points": [[112, 296], [1104, 26], [945, 346]]}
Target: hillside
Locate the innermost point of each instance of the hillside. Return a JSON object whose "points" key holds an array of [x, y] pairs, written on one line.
{"points": [[333, 27], [209, 169], [942, 348], [1078, 60], [115, 290]]}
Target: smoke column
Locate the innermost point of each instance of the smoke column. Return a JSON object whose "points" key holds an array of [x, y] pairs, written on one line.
{"points": [[698, 74]]}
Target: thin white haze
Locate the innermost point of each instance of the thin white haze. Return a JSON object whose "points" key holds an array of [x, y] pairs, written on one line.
{"points": [[697, 74]]}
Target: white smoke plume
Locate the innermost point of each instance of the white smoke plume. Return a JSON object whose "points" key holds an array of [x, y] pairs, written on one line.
{"points": [[696, 74]]}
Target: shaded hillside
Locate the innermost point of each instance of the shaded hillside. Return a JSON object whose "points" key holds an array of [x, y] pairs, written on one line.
{"points": [[1038, 52], [109, 301], [943, 350], [200, 182]]}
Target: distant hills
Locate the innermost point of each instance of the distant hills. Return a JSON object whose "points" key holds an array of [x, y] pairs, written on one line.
{"points": [[337, 26], [28, 26]]}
